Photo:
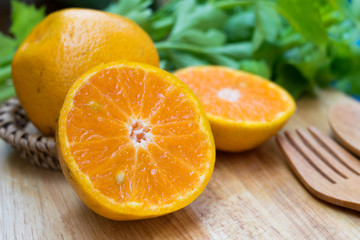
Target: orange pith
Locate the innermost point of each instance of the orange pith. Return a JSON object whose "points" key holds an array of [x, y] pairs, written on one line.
{"points": [[139, 137], [235, 95]]}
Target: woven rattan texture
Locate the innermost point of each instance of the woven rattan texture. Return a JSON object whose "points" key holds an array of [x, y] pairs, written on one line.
{"points": [[37, 149]]}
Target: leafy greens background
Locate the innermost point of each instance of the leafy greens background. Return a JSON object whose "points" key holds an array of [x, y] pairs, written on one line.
{"points": [[300, 44]]}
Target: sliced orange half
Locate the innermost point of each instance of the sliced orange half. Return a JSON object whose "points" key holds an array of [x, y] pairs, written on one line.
{"points": [[134, 141], [244, 109]]}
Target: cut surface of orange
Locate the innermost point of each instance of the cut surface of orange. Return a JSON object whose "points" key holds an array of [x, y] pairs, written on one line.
{"points": [[244, 109], [134, 141]]}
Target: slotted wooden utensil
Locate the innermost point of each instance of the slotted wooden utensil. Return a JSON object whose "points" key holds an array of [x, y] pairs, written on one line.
{"points": [[325, 168]]}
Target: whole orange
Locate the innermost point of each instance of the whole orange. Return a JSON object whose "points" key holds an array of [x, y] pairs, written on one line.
{"points": [[65, 45]]}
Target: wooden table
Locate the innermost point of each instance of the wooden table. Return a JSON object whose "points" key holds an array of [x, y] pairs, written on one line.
{"points": [[251, 195]]}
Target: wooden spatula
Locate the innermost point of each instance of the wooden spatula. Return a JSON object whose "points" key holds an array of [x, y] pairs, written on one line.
{"points": [[344, 120], [326, 169]]}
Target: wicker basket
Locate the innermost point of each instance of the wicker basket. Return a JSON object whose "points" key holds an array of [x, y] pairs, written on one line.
{"points": [[17, 130]]}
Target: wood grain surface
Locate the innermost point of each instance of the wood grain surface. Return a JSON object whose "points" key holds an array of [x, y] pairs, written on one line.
{"points": [[344, 121], [251, 195]]}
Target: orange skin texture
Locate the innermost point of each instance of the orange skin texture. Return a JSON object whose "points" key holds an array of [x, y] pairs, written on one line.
{"points": [[65, 45]]}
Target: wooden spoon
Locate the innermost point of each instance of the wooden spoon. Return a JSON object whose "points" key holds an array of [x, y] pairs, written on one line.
{"points": [[344, 120]]}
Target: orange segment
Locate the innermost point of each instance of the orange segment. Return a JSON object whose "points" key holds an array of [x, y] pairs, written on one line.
{"points": [[133, 83], [175, 128], [105, 178], [114, 93], [91, 99], [134, 141], [83, 125], [188, 147], [244, 109], [174, 108], [156, 92]]}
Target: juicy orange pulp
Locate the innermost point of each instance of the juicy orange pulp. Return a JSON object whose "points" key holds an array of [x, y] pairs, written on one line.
{"points": [[135, 141], [244, 109], [239, 97]]}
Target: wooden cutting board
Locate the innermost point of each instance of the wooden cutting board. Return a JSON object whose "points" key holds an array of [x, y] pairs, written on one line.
{"points": [[251, 195]]}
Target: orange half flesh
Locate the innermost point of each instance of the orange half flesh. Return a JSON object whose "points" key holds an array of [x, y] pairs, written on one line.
{"points": [[134, 141], [244, 109]]}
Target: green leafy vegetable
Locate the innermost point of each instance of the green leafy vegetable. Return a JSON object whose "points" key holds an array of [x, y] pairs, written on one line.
{"points": [[24, 18], [136, 10], [343, 6], [300, 44], [355, 6], [304, 16], [257, 67], [291, 78], [8, 46], [268, 23]]}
